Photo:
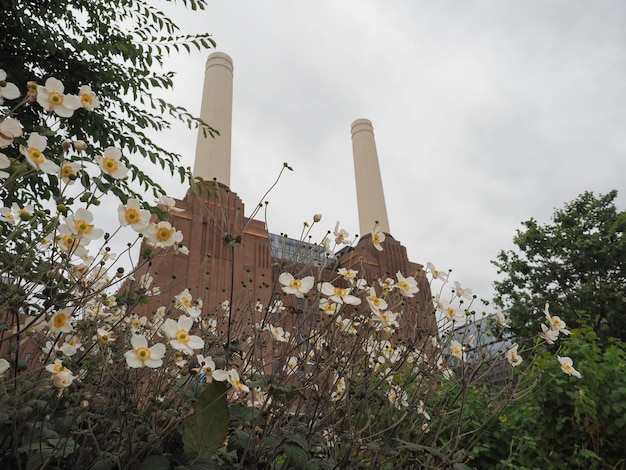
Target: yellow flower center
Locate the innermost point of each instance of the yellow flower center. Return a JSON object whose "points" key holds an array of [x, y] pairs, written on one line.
{"points": [[164, 234], [186, 301], [297, 283], [142, 353], [404, 285], [60, 319], [375, 301], [339, 291], [55, 98], [182, 336], [83, 227], [132, 216], [36, 155], [376, 239], [67, 170], [86, 98], [109, 164]]}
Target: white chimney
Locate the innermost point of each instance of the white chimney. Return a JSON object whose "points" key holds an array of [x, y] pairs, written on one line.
{"points": [[213, 153], [369, 186]]}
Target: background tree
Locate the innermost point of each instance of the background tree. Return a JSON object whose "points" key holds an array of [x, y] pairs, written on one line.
{"points": [[116, 47], [577, 263]]}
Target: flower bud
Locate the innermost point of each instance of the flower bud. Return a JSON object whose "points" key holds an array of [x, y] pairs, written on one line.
{"points": [[80, 145], [66, 144], [62, 379], [317, 218]]}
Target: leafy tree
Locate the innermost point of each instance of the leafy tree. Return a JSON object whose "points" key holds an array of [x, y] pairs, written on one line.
{"points": [[115, 46], [565, 422], [577, 263]]}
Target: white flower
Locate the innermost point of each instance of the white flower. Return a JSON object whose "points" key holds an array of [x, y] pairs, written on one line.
{"points": [[68, 172], [70, 243], [376, 303], [567, 366], [430, 267], [339, 294], [88, 99], [555, 322], [328, 307], [9, 91], [34, 154], [398, 397], [340, 389], [4, 366], [232, 377], [348, 274], [110, 163], [81, 226], [207, 366], [512, 356], [52, 98], [132, 214], [168, 204], [9, 129], [104, 337], [407, 285], [4, 163], [549, 335], [141, 355], [279, 335], [462, 291], [178, 333], [456, 349], [501, 319], [341, 236], [378, 237], [162, 234], [297, 287], [61, 321], [184, 302], [346, 326], [62, 379], [451, 313]]}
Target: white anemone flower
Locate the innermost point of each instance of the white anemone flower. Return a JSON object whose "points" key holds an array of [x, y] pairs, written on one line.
{"points": [[232, 377], [110, 163], [297, 287], [51, 98], [10, 128], [81, 226], [9, 91], [378, 237], [341, 236], [88, 99], [178, 333], [512, 356], [143, 356], [406, 285], [567, 366], [339, 295], [69, 172], [133, 215], [33, 152], [4, 163], [163, 234]]}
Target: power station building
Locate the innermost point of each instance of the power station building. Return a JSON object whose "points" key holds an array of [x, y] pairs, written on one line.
{"points": [[233, 257]]}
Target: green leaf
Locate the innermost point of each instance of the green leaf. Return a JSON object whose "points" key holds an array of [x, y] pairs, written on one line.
{"points": [[205, 431], [297, 454], [155, 462]]}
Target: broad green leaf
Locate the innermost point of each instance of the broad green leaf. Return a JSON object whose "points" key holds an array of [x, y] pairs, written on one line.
{"points": [[205, 430]]}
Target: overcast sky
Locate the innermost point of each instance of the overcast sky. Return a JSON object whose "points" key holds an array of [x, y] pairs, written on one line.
{"points": [[485, 113]]}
